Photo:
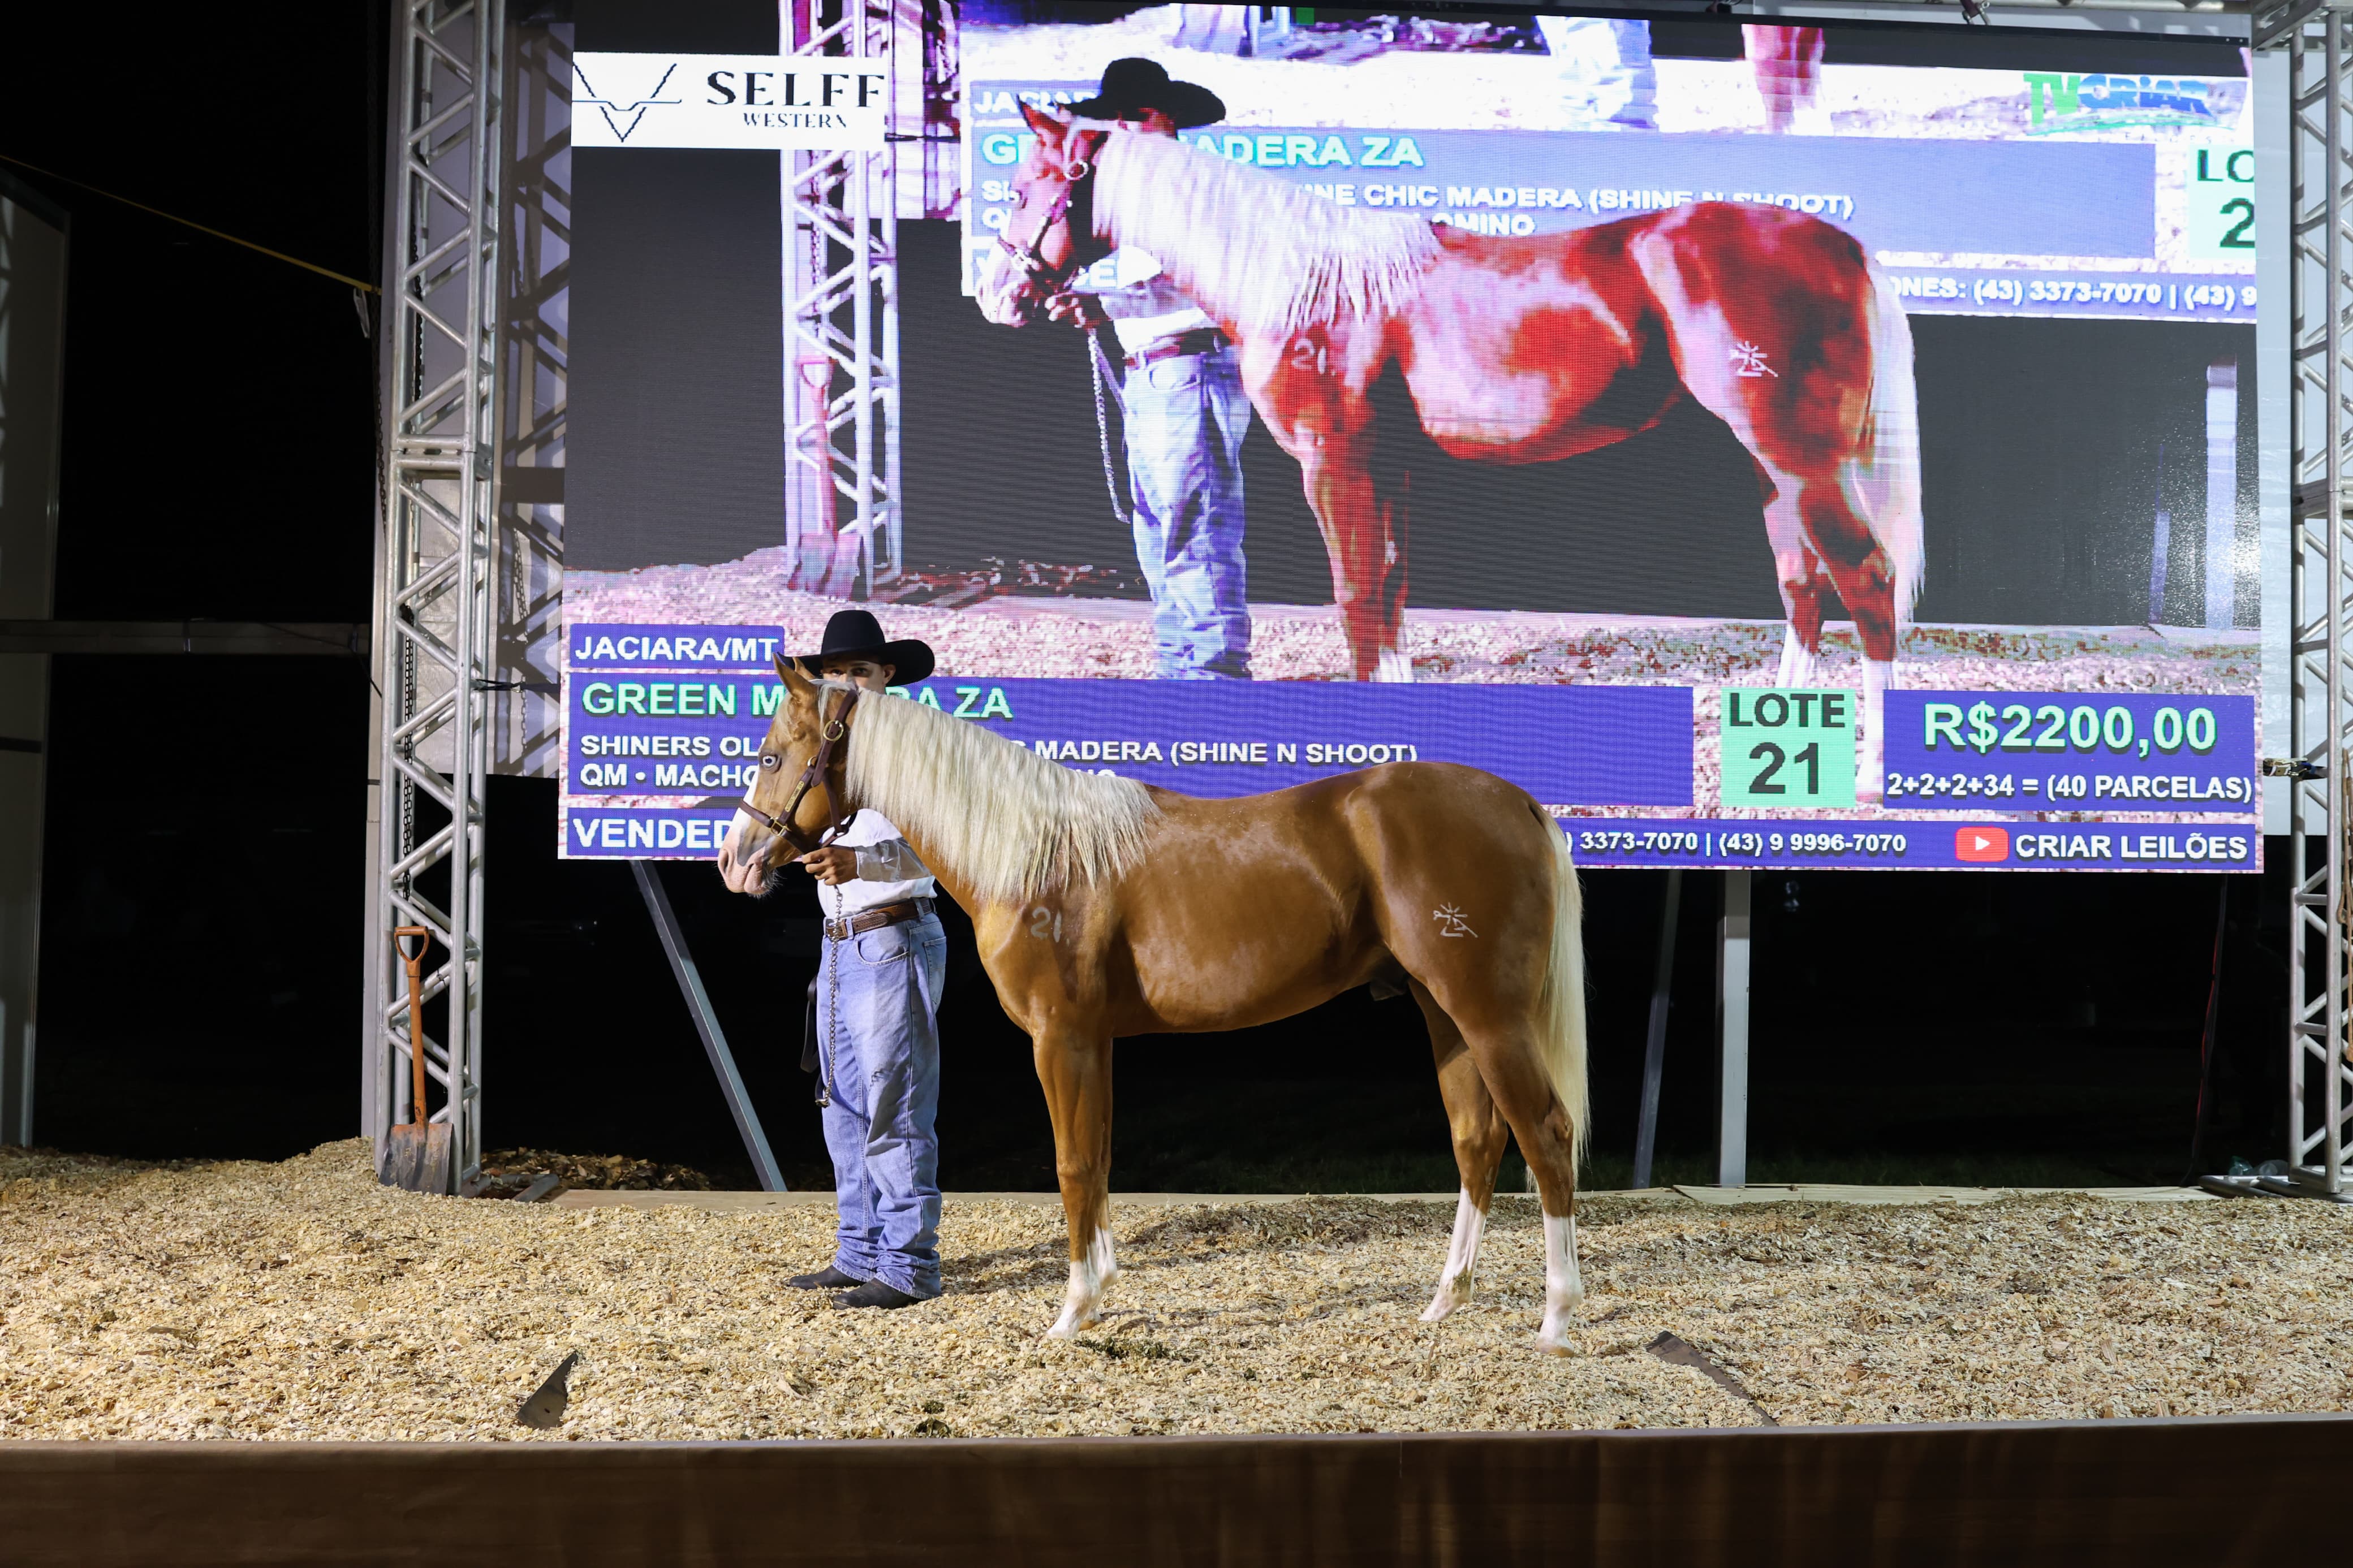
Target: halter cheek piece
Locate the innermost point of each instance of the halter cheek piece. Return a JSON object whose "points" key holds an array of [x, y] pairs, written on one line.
{"points": [[1078, 179], [782, 825]]}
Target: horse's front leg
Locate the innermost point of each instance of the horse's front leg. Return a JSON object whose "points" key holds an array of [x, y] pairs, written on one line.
{"points": [[1362, 513], [1074, 1067]]}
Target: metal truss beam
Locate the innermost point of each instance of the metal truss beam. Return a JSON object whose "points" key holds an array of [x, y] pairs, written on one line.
{"points": [[843, 532], [2320, 443], [436, 621]]}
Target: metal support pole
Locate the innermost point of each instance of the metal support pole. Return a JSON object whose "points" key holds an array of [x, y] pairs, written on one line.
{"points": [[1654, 1048], [2206, 1037], [706, 1024], [1732, 1032], [435, 614], [2320, 429]]}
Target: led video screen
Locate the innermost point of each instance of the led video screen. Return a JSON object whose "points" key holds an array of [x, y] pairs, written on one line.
{"points": [[1767, 446]]}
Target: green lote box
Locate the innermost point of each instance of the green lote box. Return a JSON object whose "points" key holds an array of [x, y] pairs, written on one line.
{"points": [[1779, 748]]}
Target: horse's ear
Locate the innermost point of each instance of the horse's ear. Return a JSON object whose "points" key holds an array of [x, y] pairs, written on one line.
{"points": [[798, 685], [1050, 124]]}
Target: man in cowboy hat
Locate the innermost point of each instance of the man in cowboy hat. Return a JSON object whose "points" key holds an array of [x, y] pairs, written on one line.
{"points": [[1185, 414], [877, 1037]]}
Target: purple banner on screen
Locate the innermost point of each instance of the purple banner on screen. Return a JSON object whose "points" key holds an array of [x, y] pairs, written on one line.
{"points": [[1567, 745]]}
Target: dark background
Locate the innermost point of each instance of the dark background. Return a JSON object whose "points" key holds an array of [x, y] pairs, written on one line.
{"points": [[205, 905]]}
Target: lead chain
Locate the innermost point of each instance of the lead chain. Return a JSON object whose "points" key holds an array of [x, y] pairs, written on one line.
{"points": [[832, 1008]]}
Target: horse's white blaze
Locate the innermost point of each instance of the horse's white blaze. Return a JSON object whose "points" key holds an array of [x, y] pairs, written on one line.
{"points": [[740, 853], [1456, 1280], [1564, 1287], [1089, 1275], [1393, 666]]}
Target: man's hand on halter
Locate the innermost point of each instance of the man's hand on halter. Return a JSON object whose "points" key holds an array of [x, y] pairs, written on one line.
{"points": [[832, 865], [1081, 310]]}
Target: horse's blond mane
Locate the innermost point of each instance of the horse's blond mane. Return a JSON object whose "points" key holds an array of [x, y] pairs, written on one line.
{"points": [[1268, 255], [1006, 823]]}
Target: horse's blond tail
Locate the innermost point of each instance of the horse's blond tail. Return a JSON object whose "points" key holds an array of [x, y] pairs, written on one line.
{"points": [[1564, 992], [1887, 475]]}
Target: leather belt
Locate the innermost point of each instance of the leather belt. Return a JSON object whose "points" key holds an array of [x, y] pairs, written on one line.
{"points": [[1199, 341], [847, 926]]}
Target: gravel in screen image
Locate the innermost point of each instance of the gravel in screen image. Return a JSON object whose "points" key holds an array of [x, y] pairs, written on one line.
{"points": [[303, 1301]]}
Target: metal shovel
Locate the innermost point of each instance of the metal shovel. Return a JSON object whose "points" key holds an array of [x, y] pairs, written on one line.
{"points": [[418, 1155]]}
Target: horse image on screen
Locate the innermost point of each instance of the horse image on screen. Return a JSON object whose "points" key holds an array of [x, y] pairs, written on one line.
{"points": [[1517, 350]]}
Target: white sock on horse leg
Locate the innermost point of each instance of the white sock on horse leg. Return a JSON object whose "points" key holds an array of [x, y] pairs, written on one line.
{"points": [[1455, 1282], [1089, 1275], [1564, 1286], [1393, 666], [1870, 764], [1798, 661]]}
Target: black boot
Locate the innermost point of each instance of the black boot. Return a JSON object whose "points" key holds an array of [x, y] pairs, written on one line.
{"points": [[873, 1293], [826, 1279]]}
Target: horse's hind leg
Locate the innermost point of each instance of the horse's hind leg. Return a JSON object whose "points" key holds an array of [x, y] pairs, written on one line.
{"points": [[1799, 573], [1865, 578], [1510, 1065], [1076, 1071], [1479, 1133]]}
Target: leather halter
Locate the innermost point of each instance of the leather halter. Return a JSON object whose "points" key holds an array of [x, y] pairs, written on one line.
{"points": [[1086, 149], [783, 826]]}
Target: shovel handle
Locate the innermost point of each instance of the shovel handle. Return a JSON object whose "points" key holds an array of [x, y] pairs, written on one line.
{"points": [[415, 961]]}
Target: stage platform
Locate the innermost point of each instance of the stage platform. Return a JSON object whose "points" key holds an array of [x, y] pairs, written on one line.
{"points": [[2069, 1494], [1800, 1192]]}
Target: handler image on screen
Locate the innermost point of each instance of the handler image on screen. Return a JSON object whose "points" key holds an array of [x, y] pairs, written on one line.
{"points": [[877, 1033], [1185, 415]]}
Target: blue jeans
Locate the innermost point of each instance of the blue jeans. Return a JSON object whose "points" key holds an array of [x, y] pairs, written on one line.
{"points": [[1185, 420], [880, 1053]]}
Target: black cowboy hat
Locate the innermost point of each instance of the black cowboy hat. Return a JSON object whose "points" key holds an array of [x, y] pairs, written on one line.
{"points": [[856, 634], [1132, 86]]}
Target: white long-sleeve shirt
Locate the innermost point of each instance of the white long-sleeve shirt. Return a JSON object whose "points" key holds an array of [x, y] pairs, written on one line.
{"points": [[888, 869], [1146, 307]]}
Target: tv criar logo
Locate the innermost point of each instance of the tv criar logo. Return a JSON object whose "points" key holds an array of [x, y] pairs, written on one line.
{"points": [[1981, 846]]}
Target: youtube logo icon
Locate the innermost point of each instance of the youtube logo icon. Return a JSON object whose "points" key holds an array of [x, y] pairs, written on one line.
{"points": [[1981, 846]]}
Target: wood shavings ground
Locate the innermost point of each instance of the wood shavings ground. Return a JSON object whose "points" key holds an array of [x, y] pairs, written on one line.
{"points": [[303, 1300]]}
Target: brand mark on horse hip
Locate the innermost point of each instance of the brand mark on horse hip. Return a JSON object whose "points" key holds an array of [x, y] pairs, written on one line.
{"points": [[1451, 921], [1748, 362]]}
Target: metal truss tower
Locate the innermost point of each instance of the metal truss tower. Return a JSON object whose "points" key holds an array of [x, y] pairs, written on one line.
{"points": [[2320, 446], [436, 619]]}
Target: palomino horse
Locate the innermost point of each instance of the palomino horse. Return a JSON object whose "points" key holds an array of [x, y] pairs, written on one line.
{"points": [[1104, 908], [1517, 351]]}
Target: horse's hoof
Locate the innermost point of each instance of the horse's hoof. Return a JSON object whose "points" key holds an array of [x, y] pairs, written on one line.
{"points": [[1442, 1305], [1551, 1343], [1073, 1323]]}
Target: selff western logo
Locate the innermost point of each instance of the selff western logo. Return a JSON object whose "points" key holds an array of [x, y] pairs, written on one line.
{"points": [[749, 101], [1981, 846]]}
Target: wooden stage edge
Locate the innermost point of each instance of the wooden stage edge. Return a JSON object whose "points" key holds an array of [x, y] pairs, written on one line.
{"points": [[2209, 1491]]}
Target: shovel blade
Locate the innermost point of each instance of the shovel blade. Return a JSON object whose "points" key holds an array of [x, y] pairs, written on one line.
{"points": [[418, 1159], [404, 1159], [439, 1175]]}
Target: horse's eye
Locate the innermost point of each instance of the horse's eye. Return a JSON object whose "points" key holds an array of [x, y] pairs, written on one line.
{"points": [[768, 761]]}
